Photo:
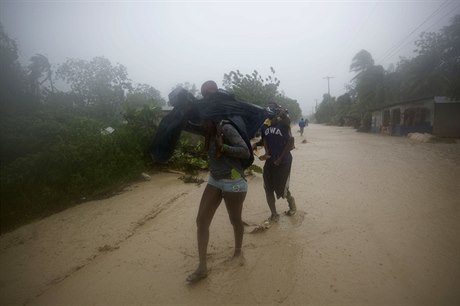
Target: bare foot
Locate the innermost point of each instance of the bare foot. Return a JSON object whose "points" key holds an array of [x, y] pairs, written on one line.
{"points": [[273, 218], [240, 260], [237, 253], [196, 276], [237, 259], [290, 212]]}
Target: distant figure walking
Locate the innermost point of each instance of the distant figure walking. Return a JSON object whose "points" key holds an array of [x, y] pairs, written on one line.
{"points": [[302, 124]]}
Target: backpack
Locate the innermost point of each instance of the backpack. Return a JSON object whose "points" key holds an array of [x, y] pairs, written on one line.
{"points": [[188, 114], [245, 163]]}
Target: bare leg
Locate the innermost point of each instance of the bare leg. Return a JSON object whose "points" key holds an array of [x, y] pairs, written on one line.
{"points": [[234, 203], [269, 192], [271, 203], [291, 202], [210, 200]]}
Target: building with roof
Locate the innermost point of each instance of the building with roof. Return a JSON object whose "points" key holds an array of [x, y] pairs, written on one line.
{"points": [[438, 116]]}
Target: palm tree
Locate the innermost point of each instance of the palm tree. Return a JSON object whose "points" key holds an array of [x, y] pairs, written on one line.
{"points": [[361, 61], [39, 72]]}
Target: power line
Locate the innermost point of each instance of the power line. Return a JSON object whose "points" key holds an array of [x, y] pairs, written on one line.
{"points": [[450, 12], [391, 51], [396, 47]]}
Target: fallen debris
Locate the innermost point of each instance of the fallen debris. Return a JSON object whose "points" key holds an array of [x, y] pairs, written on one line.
{"points": [[422, 137]]}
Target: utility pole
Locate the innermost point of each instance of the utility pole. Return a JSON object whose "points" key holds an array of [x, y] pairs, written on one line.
{"points": [[328, 87]]}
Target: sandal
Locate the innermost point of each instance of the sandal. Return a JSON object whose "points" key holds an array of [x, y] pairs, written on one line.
{"points": [[195, 277]]}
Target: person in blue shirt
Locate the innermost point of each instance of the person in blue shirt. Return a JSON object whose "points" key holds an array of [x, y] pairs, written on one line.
{"points": [[278, 143], [302, 125]]}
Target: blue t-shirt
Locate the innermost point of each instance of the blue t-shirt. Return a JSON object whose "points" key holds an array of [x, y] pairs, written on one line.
{"points": [[277, 137]]}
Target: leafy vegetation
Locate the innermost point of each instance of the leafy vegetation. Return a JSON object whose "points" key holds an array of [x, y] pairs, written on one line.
{"points": [[434, 71], [259, 90], [190, 156], [51, 162], [59, 148]]}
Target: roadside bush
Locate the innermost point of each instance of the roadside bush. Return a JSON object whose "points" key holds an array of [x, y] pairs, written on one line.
{"points": [[61, 162], [189, 155]]}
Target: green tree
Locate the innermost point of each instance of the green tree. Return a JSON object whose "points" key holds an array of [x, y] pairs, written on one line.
{"points": [[421, 78], [14, 95], [435, 70], [325, 111], [362, 61], [253, 87], [291, 105], [258, 90], [450, 60], [368, 86], [191, 88], [144, 94], [98, 85], [342, 109]]}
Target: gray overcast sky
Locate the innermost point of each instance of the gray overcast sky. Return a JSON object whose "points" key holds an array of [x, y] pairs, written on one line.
{"points": [[163, 43]]}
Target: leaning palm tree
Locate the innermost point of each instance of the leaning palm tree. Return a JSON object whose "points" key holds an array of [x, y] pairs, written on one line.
{"points": [[39, 72]]}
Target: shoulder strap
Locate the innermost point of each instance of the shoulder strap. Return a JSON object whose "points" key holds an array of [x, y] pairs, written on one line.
{"points": [[245, 163]]}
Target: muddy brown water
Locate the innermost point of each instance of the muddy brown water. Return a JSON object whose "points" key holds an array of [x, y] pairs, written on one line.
{"points": [[378, 222]]}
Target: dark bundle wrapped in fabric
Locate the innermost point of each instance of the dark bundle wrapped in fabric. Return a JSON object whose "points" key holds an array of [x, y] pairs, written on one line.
{"points": [[189, 113]]}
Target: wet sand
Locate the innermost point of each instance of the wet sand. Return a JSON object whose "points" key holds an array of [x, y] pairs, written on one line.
{"points": [[378, 224]]}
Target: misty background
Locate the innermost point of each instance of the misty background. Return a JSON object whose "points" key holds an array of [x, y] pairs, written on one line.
{"points": [[166, 43], [82, 84]]}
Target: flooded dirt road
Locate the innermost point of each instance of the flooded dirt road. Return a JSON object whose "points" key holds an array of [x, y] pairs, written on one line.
{"points": [[378, 224]]}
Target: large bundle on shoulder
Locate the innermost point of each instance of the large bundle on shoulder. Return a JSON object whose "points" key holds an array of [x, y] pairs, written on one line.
{"points": [[189, 114]]}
